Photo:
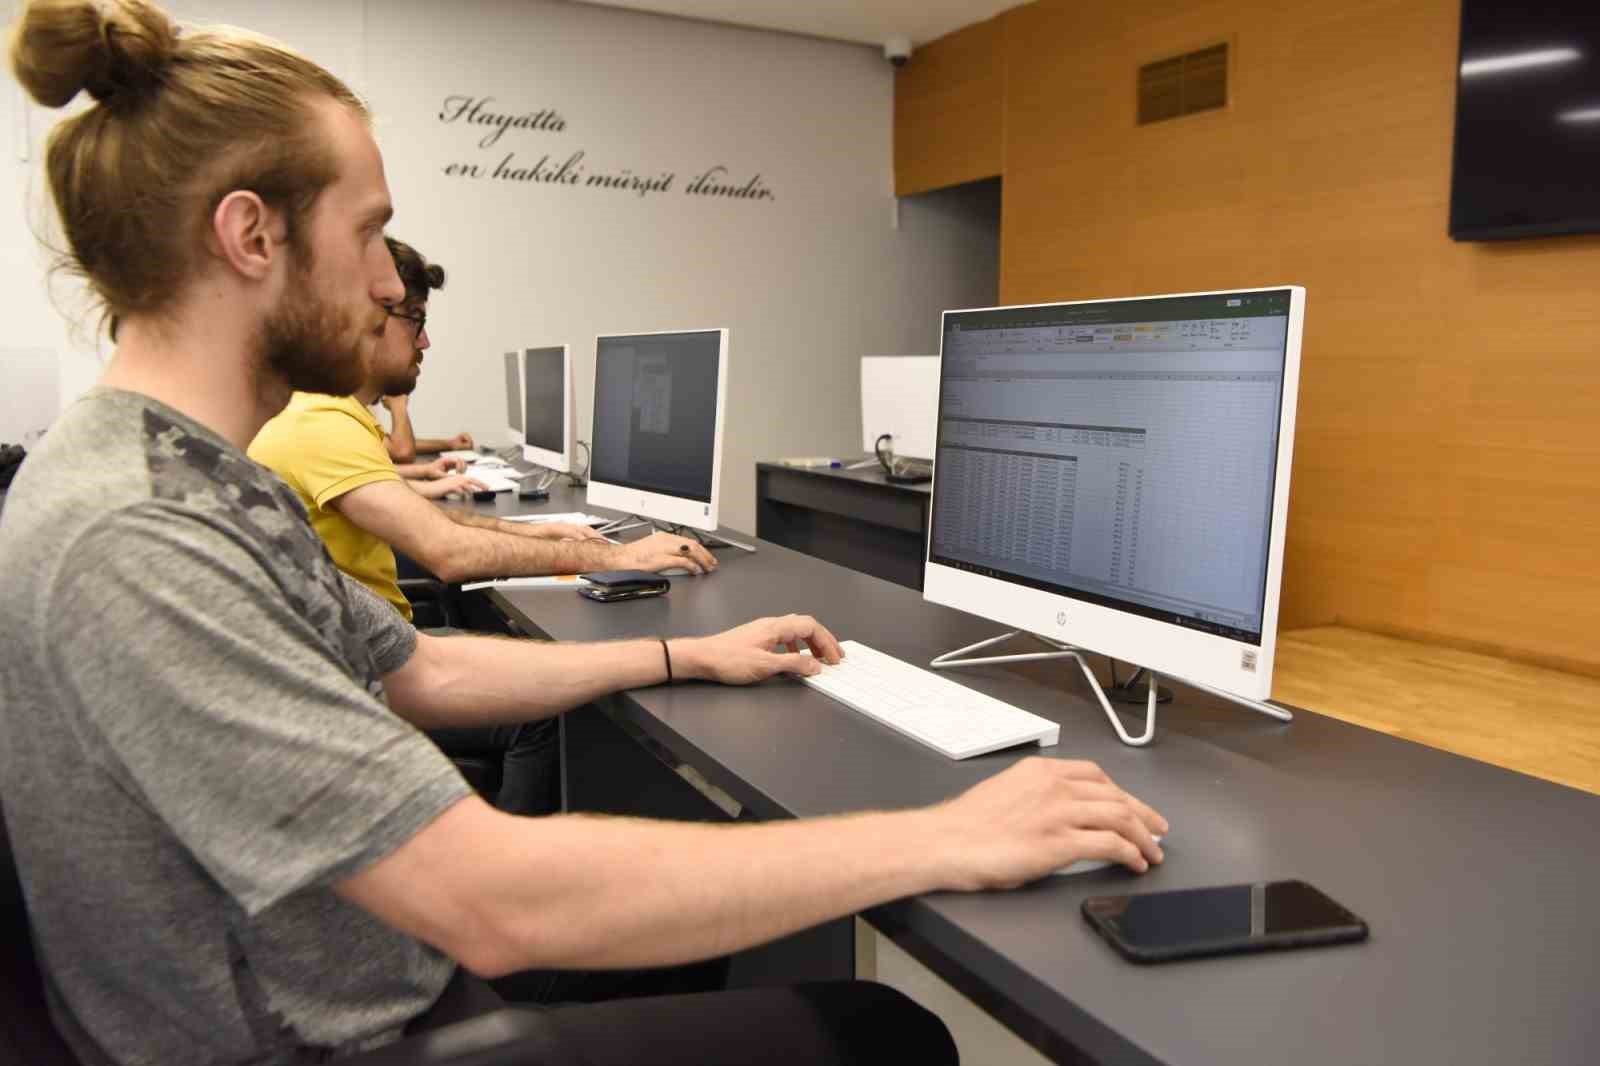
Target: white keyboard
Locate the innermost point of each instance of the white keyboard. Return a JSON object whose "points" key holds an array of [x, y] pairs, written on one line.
{"points": [[492, 477], [948, 717]]}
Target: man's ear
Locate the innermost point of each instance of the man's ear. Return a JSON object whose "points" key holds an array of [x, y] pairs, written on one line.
{"points": [[246, 234]]}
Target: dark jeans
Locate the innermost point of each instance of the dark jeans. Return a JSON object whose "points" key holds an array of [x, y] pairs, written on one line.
{"points": [[834, 1023], [530, 762]]}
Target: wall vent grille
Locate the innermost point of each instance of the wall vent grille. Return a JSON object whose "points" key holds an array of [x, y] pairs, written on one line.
{"points": [[1183, 85]]}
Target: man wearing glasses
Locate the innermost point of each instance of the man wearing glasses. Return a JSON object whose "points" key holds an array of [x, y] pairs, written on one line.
{"points": [[330, 450], [401, 442]]}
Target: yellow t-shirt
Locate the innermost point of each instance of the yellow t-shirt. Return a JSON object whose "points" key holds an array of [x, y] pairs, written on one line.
{"points": [[325, 446]]}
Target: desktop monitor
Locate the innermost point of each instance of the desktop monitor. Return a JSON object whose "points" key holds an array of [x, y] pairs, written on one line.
{"points": [[513, 400], [1114, 475], [900, 397], [547, 407], [658, 406]]}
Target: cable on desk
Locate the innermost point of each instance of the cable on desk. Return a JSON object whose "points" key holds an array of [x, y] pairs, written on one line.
{"points": [[905, 471], [878, 450], [578, 479]]}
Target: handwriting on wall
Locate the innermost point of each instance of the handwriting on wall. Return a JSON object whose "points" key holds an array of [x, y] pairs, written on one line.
{"points": [[503, 159]]}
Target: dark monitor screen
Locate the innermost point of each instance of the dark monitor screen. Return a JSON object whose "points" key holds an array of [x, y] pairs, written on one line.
{"points": [[544, 398], [1527, 137], [513, 393], [655, 412]]}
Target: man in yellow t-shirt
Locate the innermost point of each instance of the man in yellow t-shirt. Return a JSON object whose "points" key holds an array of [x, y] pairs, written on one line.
{"points": [[325, 446], [330, 450]]}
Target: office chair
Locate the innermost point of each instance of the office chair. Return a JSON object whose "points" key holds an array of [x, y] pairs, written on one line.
{"points": [[28, 1038], [433, 603]]}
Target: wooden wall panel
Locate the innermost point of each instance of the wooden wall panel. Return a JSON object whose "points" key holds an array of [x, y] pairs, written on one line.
{"points": [[1447, 470], [948, 110]]}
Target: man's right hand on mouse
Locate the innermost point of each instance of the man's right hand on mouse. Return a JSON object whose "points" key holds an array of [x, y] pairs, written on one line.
{"points": [[460, 485], [662, 551], [1039, 815]]}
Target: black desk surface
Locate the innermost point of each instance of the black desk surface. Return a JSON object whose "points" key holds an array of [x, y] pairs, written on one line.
{"points": [[1481, 885], [872, 475]]}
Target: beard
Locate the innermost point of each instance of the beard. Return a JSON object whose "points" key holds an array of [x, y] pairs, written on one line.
{"points": [[403, 383], [311, 345]]}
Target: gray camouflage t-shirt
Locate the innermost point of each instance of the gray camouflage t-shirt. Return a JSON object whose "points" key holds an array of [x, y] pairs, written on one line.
{"points": [[194, 748]]}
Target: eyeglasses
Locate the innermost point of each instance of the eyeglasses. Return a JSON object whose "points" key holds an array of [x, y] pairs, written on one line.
{"points": [[419, 320]]}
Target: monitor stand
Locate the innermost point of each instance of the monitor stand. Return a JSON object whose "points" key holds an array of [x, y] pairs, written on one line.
{"points": [[542, 477], [716, 540], [1127, 689], [708, 540], [952, 660]]}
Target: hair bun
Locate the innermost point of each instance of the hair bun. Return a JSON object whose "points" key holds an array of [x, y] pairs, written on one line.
{"points": [[109, 47]]}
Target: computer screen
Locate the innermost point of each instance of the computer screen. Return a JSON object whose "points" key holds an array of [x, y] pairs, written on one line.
{"points": [[1120, 453], [544, 398], [513, 397], [655, 412]]}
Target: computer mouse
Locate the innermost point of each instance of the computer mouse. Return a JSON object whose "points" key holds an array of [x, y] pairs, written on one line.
{"points": [[1084, 866], [674, 571], [484, 496]]}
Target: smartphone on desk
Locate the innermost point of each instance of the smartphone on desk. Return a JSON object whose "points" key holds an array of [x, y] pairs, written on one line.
{"points": [[1228, 920], [609, 586]]}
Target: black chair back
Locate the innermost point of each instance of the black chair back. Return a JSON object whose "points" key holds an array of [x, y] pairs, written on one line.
{"points": [[27, 1037]]}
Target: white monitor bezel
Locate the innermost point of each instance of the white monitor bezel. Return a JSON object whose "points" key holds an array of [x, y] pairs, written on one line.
{"points": [[560, 462], [513, 435], [663, 507], [1163, 647]]}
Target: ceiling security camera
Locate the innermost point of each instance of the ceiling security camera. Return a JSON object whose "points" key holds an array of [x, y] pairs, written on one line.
{"points": [[897, 50]]}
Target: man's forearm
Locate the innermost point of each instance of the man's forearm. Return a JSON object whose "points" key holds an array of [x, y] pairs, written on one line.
{"points": [[477, 552], [566, 893], [474, 681], [401, 442], [483, 521], [433, 444]]}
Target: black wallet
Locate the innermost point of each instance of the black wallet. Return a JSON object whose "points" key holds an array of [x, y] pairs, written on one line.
{"points": [[609, 585]]}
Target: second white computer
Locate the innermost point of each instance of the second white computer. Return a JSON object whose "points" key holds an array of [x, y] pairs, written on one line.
{"points": [[659, 400]]}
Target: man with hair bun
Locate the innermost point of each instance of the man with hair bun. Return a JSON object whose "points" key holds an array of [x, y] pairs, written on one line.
{"points": [[234, 843]]}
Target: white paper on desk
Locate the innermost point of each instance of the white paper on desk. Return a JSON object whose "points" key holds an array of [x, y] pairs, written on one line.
{"points": [[576, 518], [558, 581], [463, 453]]}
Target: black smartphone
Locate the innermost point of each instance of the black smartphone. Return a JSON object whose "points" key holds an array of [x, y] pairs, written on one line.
{"points": [[1227, 920], [612, 595]]}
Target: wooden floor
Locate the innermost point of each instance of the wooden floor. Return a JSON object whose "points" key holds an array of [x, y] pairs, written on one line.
{"points": [[1526, 718]]}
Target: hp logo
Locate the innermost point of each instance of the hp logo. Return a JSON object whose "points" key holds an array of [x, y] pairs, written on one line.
{"points": [[1061, 618]]}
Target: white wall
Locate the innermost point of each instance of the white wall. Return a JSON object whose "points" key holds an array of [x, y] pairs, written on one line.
{"points": [[34, 334], [807, 281]]}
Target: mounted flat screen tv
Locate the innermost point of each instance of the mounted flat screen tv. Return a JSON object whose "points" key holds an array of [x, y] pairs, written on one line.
{"points": [[1527, 147]]}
